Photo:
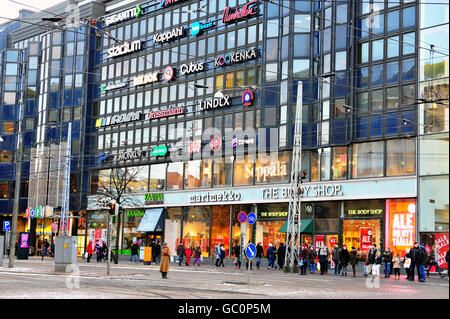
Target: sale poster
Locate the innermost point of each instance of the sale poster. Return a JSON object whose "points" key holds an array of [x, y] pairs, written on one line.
{"points": [[442, 245], [332, 240], [400, 224], [319, 241], [365, 238]]}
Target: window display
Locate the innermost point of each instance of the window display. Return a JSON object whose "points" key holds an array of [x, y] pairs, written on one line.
{"points": [[172, 228], [196, 228], [361, 234], [220, 227]]}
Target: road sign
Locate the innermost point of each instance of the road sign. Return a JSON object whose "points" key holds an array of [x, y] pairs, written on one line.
{"points": [[251, 218], [250, 251], [6, 225], [32, 212], [242, 217]]}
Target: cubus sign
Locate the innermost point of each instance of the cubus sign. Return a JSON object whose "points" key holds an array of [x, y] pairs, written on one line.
{"points": [[400, 224]]}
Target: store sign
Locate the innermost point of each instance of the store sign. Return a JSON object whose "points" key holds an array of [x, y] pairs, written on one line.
{"points": [[159, 150], [274, 215], [168, 36], [111, 87], [233, 16], [242, 141], [125, 48], [215, 144], [365, 212], [237, 57], [168, 73], [214, 103], [442, 245], [400, 224], [209, 197], [191, 68], [329, 190], [198, 27], [154, 198], [263, 173], [135, 213], [365, 238], [247, 97], [166, 3], [119, 119], [102, 157], [148, 78], [164, 113], [131, 155], [123, 16]]}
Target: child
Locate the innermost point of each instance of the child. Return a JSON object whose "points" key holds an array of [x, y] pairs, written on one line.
{"points": [[397, 265]]}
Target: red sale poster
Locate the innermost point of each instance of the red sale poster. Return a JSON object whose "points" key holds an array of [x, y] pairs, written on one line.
{"points": [[365, 237], [400, 224], [319, 241], [442, 245]]}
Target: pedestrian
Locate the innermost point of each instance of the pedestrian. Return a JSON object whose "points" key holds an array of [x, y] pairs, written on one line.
{"points": [[165, 261], [281, 255], [89, 251], [52, 248], [197, 255], [353, 260], [387, 259], [99, 250], [397, 264], [188, 253], [312, 259], [153, 250], [344, 259], [422, 261], [157, 252], [378, 261], [259, 255], [303, 262], [370, 263], [105, 251], [335, 256], [217, 254], [323, 259], [237, 254], [45, 246], [414, 254], [447, 258], [180, 253], [270, 257], [222, 255], [407, 262], [433, 261], [134, 252]]}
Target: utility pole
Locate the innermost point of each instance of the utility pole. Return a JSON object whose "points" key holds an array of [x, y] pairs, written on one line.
{"points": [[293, 229], [66, 192], [13, 235], [108, 262]]}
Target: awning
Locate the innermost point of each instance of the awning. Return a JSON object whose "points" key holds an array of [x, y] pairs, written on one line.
{"points": [[305, 227], [151, 221]]}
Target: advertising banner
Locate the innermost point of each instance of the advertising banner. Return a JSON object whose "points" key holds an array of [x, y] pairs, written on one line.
{"points": [[365, 238], [442, 245], [24, 240], [319, 241], [400, 224]]}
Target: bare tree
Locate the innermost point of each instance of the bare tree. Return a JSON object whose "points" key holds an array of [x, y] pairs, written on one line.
{"points": [[117, 188]]}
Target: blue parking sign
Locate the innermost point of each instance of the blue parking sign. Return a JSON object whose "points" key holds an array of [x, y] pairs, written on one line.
{"points": [[6, 225]]}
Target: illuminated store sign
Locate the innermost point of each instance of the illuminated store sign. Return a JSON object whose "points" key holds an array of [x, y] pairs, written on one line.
{"points": [[125, 48], [123, 16], [118, 119], [159, 150], [198, 27], [166, 3], [214, 103], [154, 198], [164, 113], [247, 11], [168, 74], [237, 57], [365, 212], [242, 141], [400, 224], [145, 79], [168, 36], [191, 68], [111, 87], [278, 169], [308, 191], [131, 155], [215, 144], [102, 157], [247, 97], [267, 215], [209, 197]]}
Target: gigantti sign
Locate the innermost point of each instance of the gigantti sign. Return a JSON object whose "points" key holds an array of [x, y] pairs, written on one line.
{"points": [[248, 10]]}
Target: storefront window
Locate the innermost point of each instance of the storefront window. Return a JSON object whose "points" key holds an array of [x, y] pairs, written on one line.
{"points": [[401, 157], [172, 228], [140, 182], [326, 217], [314, 165], [196, 228], [361, 234], [271, 219], [243, 172], [132, 219], [222, 173], [158, 176], [368, 159], [198, 174], [273, 171], [339, 165], [220, 227]]}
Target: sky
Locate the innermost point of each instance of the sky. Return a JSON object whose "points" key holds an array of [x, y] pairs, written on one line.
{"points": [[10, 9]]}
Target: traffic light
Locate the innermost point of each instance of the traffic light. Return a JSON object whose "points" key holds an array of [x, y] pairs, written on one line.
{"points": [[112, 208]]}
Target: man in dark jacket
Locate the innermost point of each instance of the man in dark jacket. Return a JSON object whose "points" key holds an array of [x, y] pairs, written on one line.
{"points": [[344, 259], [414, 254], [180, 253], [387, 259], [421, 259], [237, 254], [304, 252], [336, 254], [259, 255], [134, 252], [312, 259], [281, 255], [371, 259], [323, 259], [157, 252]]}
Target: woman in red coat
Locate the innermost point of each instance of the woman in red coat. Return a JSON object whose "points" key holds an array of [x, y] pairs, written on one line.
{"points": [[89, 251], [188, 253]]}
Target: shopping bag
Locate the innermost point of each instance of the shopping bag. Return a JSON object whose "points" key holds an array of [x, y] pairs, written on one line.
{"points": [[172, 259], [318, 266], [201, 258], [407, 263]]}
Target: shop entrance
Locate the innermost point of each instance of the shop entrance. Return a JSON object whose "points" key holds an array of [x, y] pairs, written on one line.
{"points": [[154, 236], [361, 234]]}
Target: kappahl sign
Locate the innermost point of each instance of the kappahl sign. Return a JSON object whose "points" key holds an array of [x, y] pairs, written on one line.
{"points": [[168, 36]]}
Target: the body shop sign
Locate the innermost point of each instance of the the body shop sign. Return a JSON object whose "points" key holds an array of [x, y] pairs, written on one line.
{"points": [[400, 224], [365, 238], [442, 245]]}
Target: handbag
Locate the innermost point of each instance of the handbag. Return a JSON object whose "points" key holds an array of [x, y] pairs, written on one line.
{"points": [[407, 263], [201, 258], [318, 266], [301, 262]]}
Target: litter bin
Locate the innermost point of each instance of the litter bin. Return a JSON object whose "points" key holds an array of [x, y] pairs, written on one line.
{"points": [[147, 255]]}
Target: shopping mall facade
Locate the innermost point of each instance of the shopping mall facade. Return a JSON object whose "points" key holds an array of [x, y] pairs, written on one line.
{"points": [[198, 99]]}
